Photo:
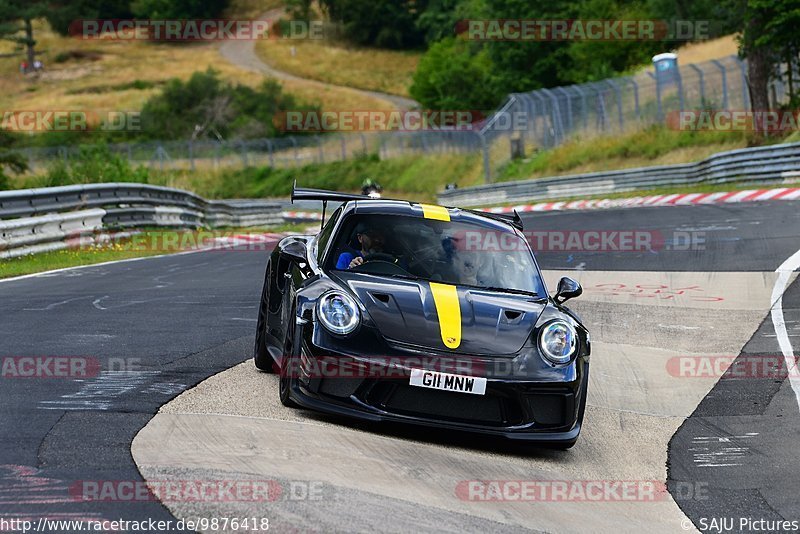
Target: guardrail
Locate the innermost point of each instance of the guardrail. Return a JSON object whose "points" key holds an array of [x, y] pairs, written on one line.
{"points": [[37, 220], [769, 164]]}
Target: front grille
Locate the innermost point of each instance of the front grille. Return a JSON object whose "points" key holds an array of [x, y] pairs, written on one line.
{"points": [[461, 407], [340, 387]]}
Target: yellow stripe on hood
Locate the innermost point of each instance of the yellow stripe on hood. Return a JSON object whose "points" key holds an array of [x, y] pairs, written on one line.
{"points": [[439, 213], [445, 297]]}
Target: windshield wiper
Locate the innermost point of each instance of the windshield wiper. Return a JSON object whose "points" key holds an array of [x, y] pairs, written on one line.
{"points": [[507, 290]]}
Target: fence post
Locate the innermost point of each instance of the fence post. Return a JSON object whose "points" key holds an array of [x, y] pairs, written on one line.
{"points": [[745, 91], [543, 115], [191, 155], [658, 96], [344, 147], [701, 79], [530, 106], [601, 107], [487, 167], [619, 103], [558, 127], [160, 153], [724, 82], [636, 98], [567, 97], [679, 79], [363, 142], [321, 150]]}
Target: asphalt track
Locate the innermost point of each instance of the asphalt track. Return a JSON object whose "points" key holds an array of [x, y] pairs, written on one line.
{"points": [[175, 321]]}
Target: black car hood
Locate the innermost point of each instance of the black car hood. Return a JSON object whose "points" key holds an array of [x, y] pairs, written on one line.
{"points": [[404, 311]]}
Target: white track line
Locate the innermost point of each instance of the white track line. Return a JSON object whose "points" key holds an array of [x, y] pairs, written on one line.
{"points": [[103, 264], [779, 321]]}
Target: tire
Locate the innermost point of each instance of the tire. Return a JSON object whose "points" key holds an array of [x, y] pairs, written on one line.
{"points": [[288, 367], [261, 356]]}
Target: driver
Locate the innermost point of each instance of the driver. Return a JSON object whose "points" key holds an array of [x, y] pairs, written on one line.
{"points": [[371, 241]]}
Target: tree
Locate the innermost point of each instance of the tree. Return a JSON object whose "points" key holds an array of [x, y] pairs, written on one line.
{"points": [[178, 9], [385, 24], [16, 17], [73, 10], [769, 37], [455, 74]]}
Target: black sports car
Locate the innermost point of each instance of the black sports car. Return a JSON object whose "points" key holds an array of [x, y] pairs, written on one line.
{"points": [[399, 311]]}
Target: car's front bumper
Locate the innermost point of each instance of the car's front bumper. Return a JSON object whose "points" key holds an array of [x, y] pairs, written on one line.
{"points": [[512, 408]]}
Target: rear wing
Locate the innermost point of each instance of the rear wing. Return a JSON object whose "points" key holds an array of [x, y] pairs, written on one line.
{"points": [[305, 193], [324, 195]]}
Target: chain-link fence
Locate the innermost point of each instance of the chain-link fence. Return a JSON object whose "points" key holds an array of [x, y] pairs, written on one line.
{"points": [[292, 151], [527, 121], [622, 105]]}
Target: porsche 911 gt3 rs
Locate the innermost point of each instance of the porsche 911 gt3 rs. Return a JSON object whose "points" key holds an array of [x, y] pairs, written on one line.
{"points": [[423, 314]]}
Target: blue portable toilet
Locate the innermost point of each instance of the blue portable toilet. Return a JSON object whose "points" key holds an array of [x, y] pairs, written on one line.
{"points": [[666, 65]]}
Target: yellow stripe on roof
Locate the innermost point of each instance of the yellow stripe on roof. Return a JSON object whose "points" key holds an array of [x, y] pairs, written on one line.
{"points": [[439, 213]]}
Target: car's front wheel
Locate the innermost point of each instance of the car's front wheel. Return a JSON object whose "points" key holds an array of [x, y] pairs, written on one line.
{"points": [[289, 365], [261, 356]]}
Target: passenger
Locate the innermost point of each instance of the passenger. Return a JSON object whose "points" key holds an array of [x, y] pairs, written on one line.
{"points": [[467, 268]]}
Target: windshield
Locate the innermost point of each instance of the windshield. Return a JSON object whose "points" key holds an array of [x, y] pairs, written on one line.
{"points": [[436, 251]]}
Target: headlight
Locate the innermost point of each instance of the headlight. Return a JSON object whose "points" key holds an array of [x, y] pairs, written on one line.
{"points": [[558, 341], [338, 312]]}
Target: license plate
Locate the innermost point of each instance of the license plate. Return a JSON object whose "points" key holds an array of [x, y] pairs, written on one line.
{"points": [[448, 382]]}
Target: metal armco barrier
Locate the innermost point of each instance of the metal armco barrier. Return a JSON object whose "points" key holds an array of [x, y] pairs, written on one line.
{"points": [[38, 220], [770, 164]]}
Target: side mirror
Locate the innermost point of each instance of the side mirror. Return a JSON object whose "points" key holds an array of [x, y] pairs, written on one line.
{"points": [[295, 251], [567, 289]]}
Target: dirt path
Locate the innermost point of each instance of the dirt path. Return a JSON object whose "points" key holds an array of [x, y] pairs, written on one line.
{"points": [[242, 53]]}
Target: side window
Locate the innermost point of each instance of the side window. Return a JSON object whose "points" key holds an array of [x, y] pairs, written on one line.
{"points": [[325, 234]]}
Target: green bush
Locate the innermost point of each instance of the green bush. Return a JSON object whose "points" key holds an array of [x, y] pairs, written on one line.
{"points": [[205, 106], [94, 164], [456, 75], [385, 23]]}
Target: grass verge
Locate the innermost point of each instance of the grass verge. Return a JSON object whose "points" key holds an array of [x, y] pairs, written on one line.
{"points": [[150, 242], [656, 145], [387, 71]]}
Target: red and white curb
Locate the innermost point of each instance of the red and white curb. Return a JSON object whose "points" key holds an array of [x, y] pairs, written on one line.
{"points": [[299, 216], [676, 199]]}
